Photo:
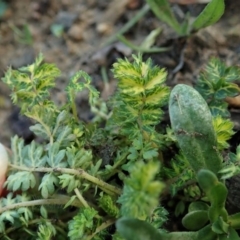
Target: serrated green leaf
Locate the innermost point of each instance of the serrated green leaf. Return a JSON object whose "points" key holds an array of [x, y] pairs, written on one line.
{"points": [[30, 85], [150, 154], [215, 84], [108, 204], [69, 181], [94, 169], [21, 181], [48, 184], [56, 156], [140, 192], [9, 216], [81, 223], [224, 131]]}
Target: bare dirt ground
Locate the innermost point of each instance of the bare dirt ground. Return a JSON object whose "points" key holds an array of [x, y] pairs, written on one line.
{"points": [[86, 41]]}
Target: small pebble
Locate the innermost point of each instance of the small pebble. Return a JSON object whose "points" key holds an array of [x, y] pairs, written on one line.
{"points": [[76, 32]]}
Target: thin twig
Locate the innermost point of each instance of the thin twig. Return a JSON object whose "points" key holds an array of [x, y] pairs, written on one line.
{"points": [[60, 200], [78, 172]]}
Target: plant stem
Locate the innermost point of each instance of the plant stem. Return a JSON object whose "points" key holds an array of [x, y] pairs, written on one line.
{"points": [[73, 106], [141, 49], [59, 200], [101, 227], [78, 172], [80, 197]]}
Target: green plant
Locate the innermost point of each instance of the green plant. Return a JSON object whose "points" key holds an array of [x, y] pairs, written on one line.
{"points": [[81, 178], [216, 83], [23, 34], [65, 171], [210, 14], [192, 123]]}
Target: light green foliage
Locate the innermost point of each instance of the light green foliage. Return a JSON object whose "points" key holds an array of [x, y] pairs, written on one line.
{"points": [[224, 131], [21, 181], [85, 177], [48, 185], [69, 182], [82, 224], [140, 150], [46, 231], [66, 170], [22, 34], [108, 204], [142, 87], [231, 166], [30, 85], [14, 216], [216, 83], [137, 108], [179, 172], [97, 105], [141, 191], [146, 45], [57, 30]]}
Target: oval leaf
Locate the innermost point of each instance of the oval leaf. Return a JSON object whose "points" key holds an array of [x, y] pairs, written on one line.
{"points": [[210, 14]]}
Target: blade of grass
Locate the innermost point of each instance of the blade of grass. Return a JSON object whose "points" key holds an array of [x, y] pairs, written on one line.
{"points": [[128, 25], [210, 14], [141, 49], [162, 10]]}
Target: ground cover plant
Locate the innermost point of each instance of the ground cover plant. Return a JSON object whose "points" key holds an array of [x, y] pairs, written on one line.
{"points": [[209, 15], [106, 179]]}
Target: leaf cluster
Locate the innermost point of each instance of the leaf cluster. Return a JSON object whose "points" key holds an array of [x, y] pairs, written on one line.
{"points": [[76, 179], [215, 83], [62, 176]]}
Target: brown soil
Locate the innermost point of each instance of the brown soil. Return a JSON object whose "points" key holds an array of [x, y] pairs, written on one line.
{"points": [[88, 43]]}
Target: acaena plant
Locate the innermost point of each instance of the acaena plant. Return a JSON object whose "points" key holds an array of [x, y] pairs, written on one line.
{"points": [[77, 179]]}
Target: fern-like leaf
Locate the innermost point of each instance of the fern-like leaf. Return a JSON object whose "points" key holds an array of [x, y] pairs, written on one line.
{"points": [[31, 84], [224, 131], [141, 94], [216, 83], [141, 191]]}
